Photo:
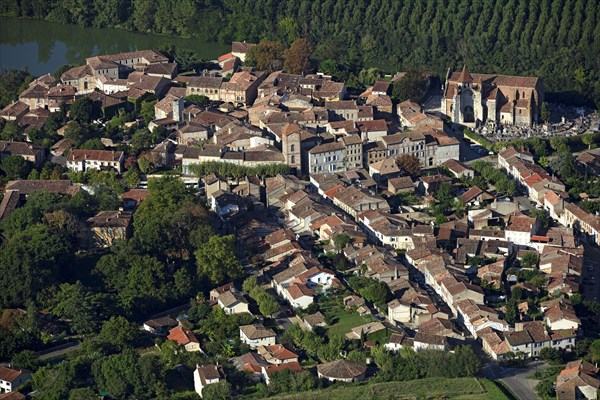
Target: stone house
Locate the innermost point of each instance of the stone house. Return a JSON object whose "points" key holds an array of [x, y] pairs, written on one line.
{"points": [[82, 160]]}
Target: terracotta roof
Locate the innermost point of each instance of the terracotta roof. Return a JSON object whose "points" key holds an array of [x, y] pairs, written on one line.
{"points": [[20, 148], [9, 374], [182, 335], [96, 155], [342, 369], [12, 396], [465, 76], [111, 219], [63, 186], [299, 290], [402, 182], [315, 319], [136, 194], [381, 86], [323, 148], [341, 105], [471, 194], [76, 73], [277, 351], [241, 47], [370, 126], [430, 339], [150, 55], [292, 366], [161, 69]]}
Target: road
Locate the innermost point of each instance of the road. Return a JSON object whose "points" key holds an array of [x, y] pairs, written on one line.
{"points": [[516, 379], [58, 350], [591, 271]]}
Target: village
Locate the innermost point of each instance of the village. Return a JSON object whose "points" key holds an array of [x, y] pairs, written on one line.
{"points": [[362, 225]]}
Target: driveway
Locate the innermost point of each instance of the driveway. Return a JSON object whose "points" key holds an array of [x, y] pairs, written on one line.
{"points": [[516, 379]]}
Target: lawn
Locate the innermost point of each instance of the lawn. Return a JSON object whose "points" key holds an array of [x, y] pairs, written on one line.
{"points": [[346, 320], [457, 389]]}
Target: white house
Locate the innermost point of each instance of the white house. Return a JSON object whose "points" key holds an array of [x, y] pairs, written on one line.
{"points": [[10, 379], [205, 375], [257, 335], [233, 302], [82, 160], [299, 295], [426, 341], [397, 341]]}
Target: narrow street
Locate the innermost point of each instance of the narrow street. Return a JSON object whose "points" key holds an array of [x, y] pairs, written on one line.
{"points": [[591, 271]]}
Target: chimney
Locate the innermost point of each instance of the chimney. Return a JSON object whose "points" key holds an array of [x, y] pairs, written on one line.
{"points": [[519, 326]]}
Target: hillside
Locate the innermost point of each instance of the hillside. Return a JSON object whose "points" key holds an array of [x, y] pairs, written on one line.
{"points": [[458, 389]]}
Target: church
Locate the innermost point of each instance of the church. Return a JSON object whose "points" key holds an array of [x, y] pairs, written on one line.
{"points": [[479, 99]]}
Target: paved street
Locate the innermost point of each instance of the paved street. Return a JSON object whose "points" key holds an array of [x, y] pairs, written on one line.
{"points": [[516, 379], [58, 350], [591, 272]]}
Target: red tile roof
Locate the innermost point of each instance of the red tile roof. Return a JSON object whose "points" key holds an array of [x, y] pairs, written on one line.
{"points": [[182, 335]]}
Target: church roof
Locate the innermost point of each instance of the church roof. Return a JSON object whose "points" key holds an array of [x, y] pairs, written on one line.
{"points": [[465, 76]]}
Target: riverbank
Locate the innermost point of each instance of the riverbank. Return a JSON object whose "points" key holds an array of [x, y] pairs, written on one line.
{"points": [[43, 46]]}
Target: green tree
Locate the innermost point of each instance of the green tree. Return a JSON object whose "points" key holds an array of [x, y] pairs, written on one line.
{"points": [[75, 302], [551, 355], [217, 391], [82, 394], [12, 83], [26, 359], [147, 110], [595, 351], [411, 86], [559, 144], [341, 240], [588, 140], [92, 144], [82, 109], [511, 311], [119, 332], [198, 99], [216, 259], [545, 389], [287, 29], [545, 112], [268, 305], [15, 167], [329, 67], [530, 259], [55, 381], [30, 260], [11, 131]]}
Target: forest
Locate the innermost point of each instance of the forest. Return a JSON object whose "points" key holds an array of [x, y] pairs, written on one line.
{"points": [[558, 40]]}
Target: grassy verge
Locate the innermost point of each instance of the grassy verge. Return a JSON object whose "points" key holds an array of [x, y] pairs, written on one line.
{"points": [[478, 139], [458, 389]]}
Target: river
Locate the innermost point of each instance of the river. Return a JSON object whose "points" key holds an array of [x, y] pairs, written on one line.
{"points": [[43, 46]]}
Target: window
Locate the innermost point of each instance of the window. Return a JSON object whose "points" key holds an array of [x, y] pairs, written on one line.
{"points": [[292, 147], [293, 160]]}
